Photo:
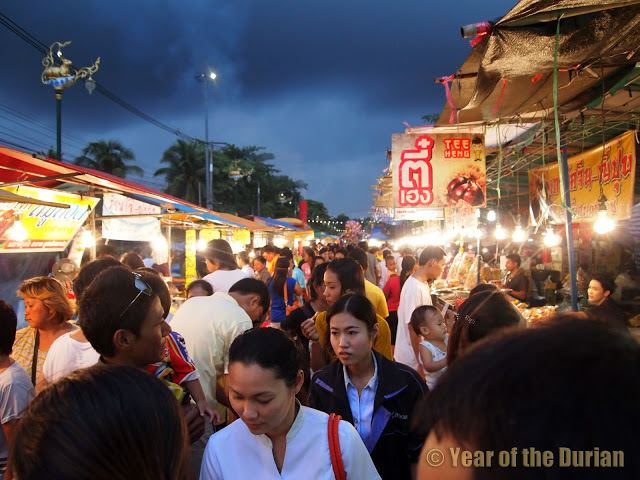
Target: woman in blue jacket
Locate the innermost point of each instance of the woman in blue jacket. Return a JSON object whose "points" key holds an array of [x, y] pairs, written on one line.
{"points": [[373, 393]]}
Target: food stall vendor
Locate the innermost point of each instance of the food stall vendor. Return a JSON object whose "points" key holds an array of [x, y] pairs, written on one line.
{"points": [[516, 279]]}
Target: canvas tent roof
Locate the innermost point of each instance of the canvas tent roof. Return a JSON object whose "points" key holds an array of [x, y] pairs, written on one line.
{"points": [[509, 72]]}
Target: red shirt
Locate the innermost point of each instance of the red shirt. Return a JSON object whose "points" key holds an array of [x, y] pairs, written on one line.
{"points": [[392, 292]]}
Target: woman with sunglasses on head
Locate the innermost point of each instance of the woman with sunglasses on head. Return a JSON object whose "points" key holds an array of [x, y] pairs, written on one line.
{"points": [[373, 393], [47, 311], [276, 437]]}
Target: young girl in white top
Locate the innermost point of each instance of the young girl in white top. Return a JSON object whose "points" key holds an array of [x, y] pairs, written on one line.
{"points": [[429, 325]]}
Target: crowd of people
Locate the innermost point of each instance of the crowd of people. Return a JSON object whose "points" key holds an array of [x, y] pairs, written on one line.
{"points": [[333, 363]]}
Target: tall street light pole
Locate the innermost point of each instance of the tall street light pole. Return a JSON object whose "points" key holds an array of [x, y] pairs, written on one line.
{"points": [[60, 73], [208, 163]]}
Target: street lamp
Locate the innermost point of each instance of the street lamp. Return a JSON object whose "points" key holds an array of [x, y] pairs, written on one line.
{"points": [[236, 174], [208, 164], [60, 73]]}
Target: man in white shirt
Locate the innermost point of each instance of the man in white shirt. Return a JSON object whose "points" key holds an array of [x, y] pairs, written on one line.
{"points": [[222, 266], [210, 324], [415, 293]]}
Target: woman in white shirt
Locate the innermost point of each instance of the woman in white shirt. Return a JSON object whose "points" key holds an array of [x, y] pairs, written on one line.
{"points": [[222, 266], [276, 437]]}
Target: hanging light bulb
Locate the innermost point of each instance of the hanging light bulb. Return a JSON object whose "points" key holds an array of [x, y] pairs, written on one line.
{"points": [[159, 243], [500, 233], [87, 238], [604, 223], [201, 245], [519, 234], [551, 238], [17, 232], [491, 216]]}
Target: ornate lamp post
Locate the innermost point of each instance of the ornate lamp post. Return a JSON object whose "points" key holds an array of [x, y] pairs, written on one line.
{"points": [[60, 73]]}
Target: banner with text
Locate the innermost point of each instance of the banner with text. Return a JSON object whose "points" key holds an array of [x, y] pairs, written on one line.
{"points": [[434, 171], [607, 173], [46, 228], [144, 227]]}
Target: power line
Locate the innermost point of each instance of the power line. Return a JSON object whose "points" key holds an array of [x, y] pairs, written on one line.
{"points": [[42, 48], [50, 128]]}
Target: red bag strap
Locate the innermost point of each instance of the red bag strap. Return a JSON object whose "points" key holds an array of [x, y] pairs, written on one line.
{"points": [[334, 447]]}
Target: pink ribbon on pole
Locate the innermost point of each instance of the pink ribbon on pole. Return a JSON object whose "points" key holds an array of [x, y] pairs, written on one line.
{"points": [[454, 111]]}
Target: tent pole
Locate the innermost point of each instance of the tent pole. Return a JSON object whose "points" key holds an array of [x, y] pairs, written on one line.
{"points": [[564, 166]]}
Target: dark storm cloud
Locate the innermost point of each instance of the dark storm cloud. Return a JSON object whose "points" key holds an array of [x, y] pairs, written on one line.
{"points": [[320, 84]]}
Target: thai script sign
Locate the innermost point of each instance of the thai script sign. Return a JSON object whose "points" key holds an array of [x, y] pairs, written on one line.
{"points": [[433, 171], [48, 228], [606, 173]]}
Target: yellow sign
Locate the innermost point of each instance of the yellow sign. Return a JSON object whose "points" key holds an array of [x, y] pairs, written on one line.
{"points": [[190, 257], [600, 173], [42, 228]]}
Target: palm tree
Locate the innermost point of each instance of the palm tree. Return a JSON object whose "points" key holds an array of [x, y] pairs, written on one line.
{"points": [[109, 157], [185, 169]]}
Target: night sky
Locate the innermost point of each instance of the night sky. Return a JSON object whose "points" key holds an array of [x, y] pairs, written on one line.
{"points": [[322, 85]]}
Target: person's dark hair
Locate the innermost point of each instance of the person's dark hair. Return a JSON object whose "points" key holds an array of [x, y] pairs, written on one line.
{"points": [[203, 284], [431, 253], [360, 256], [219, 251], [102, 304], [420, 315], [269, 348], [606, 281], [269, 249], [101, 423], [312, 255], [479, 316], [8, 323], [159, 287], [244, 256], [248, 286], [261, 259], [342, 251], [386, 253], [323, 250], [363, 245], [513, 378], [316, 279], [515, 258], [287, 253], [483, 287], [132, 260], [407, 265], [358, 306], [280, 275], [318, 259], [89, 271], [349, 274], [105, 250]]}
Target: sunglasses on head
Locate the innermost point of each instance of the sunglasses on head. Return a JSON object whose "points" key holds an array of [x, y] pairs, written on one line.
{"points": [[142, 287]]}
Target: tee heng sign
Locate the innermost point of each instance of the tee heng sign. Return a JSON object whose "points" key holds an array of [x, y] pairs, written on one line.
{"points": [[434, 171]]}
